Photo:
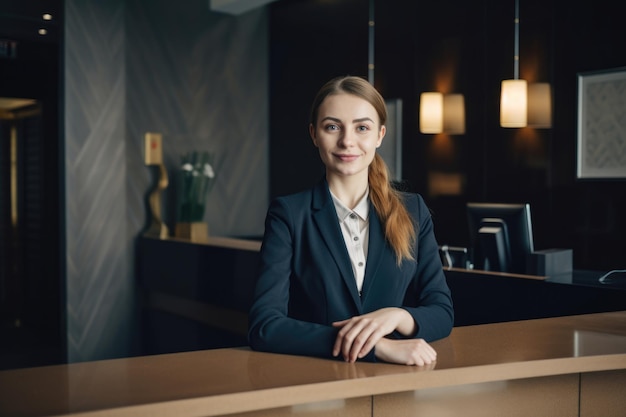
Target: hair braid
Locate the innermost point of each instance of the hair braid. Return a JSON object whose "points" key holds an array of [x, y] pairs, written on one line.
{"points": [[397, 223]]}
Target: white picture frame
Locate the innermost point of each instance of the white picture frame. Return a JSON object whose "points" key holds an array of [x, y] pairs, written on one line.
{"points": [[601, 142], [391, 148]]}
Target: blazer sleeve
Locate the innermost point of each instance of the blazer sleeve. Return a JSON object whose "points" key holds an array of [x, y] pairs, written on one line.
{"points": [[270, 328], [428, 298]]}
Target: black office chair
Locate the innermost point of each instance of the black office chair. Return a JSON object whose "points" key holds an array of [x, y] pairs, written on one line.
{"points": [[454, 257]]}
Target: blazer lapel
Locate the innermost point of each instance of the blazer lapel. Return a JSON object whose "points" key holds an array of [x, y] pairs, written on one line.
{"points": [[325, 217], [376, 249]]}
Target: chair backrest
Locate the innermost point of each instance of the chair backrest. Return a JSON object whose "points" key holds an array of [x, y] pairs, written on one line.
{"points": [[454, 257]]}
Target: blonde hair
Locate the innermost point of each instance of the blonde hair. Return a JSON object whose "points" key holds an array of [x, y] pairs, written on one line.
{"points": [[398, 225]]}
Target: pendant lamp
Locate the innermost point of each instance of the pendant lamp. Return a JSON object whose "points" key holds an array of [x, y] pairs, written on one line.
{"points": [[513, 98], [442, 113], [521, 103]]}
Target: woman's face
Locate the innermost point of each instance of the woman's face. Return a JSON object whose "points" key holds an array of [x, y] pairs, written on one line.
{"points": [[347, 134]]}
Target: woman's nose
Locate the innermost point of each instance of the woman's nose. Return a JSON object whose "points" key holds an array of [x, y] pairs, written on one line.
{"points": [[347, 138]]}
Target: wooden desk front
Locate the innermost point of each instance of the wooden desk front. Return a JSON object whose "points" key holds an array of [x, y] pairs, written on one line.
{"points": [[566, 366]]}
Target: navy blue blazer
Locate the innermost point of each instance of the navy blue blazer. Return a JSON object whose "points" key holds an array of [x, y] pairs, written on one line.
{"points": [[305, 280]]}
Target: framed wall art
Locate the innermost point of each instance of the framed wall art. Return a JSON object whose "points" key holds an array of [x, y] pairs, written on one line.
{"points": [[391, 148], [601, 146]]}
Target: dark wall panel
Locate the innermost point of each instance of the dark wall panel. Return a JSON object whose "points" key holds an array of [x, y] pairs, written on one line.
{"points": [[310, 43], [454, 46]]}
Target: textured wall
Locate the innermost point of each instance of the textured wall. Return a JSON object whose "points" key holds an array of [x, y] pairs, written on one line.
{"points": [[98, 286], [133, 66], [200, 79]]}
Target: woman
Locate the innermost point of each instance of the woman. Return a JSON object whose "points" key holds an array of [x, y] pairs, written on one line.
{"points": [[350, 268]]}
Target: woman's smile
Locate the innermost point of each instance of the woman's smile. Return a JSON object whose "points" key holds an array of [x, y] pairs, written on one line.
{"points": [[346, 158], [347, 133]]}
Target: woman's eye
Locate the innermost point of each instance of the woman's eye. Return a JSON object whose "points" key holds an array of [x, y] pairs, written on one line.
{"points": [[332, 127], [363, 128]]}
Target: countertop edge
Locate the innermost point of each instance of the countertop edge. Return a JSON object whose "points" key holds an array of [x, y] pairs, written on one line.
{"points": [[361, 387]]}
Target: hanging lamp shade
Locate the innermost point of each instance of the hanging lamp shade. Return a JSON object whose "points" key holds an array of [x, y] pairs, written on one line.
{"points": [[431, 112], [454, 114], [513, 103], [539, 105]]}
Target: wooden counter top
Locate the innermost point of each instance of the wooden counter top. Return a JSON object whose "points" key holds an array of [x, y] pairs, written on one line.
{"points": [[219, 241], [222, 381]]}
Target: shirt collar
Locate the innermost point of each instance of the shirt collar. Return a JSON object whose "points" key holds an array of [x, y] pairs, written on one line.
{"points": [[361, 209]]}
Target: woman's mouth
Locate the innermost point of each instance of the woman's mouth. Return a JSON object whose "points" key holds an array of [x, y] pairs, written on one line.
{"points": [[346, 158]]}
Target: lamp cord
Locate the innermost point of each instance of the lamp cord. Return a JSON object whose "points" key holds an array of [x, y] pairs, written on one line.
{"points": [[370, 64], [516, 45]]}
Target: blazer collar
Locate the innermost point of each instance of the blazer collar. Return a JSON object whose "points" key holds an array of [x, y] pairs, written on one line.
{"points": [[325, 217]]}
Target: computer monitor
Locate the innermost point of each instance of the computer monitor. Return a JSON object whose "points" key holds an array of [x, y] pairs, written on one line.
{"points": [[501, 236]]}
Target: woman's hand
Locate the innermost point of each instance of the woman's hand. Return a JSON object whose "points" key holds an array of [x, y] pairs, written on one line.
{"points": [[359, 334], [406, 351]]}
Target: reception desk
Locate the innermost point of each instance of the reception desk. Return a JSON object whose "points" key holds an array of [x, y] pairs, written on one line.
{"points": [[565, 366], [197, 295], [486, 297]]}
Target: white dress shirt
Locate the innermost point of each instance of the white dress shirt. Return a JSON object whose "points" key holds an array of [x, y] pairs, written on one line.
{"points": [[355, 228]]}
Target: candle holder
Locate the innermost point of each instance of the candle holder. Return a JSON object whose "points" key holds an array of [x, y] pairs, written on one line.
{"points": [[154, 157]]}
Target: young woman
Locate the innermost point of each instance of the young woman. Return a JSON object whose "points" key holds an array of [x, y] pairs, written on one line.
{"points": [[350, 268]]}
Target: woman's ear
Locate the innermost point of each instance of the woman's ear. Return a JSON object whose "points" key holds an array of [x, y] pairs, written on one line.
{"points": [[381, 135], [312, 133]]}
